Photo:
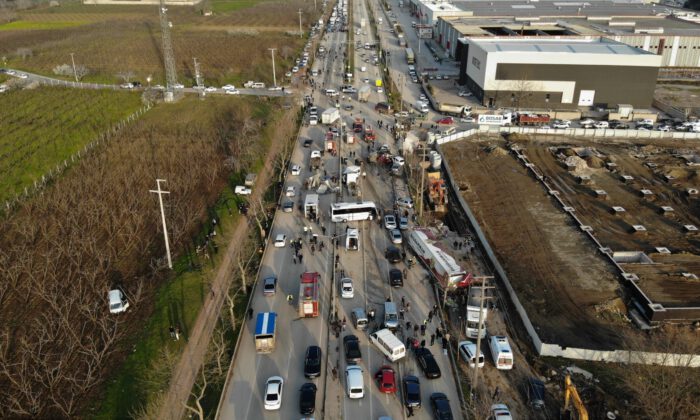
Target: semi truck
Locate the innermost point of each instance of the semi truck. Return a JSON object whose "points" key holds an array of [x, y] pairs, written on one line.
{"points": [[410, 57], [308, 295], [440, 264]]}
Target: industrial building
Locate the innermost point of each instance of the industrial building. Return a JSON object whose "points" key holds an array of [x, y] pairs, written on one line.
{"points": [[557, 73]]}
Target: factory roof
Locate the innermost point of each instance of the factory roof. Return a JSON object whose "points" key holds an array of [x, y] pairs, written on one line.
{"points": [[561, 8], [597, 46]]}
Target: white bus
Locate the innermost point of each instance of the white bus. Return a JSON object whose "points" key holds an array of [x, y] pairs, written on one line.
{"points": [[348, 212]]}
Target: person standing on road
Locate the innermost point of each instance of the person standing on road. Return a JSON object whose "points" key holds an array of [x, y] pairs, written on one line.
{"points": [[422, 330], [300, 257], [432, 339], [430, 316], [422, 343]]}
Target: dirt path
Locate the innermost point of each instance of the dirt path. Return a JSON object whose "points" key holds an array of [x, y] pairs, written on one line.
{"points": [[192, 357]]}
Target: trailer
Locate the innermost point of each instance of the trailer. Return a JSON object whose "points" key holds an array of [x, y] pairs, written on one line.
{"points": [[330, 116], [533, 119], [363, 93], [440, 264], [308, 295], [311, 206], [265, 332]]}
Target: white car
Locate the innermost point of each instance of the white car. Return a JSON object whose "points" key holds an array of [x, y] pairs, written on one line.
{"points": [[295, 69], [273, 393], [210, 89], [402, 114], [500, 412], [288, 74], [117, 302], [423, 98], [315, 154], [395, 236], [232, 92], [404, 202], [398, 160], [291, 191], [354, 382], [346, 289], [22, 75], [242, 190], [296, 169], [601, 124], [313, 111], [561, 124], [380, 90], [280, 240], [587, 121], [313, 120], [467, 350], [228, 87], [390, 221]]}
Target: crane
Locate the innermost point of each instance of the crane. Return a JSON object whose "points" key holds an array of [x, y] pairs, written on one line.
{"points": [[571, 395]]}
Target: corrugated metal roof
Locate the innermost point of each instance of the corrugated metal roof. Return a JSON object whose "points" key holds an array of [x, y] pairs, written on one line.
{"points": [[556, 46]]}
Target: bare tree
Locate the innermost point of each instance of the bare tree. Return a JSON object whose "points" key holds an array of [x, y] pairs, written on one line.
{"points": [[126, 76], [24, 53], [198, 410]]}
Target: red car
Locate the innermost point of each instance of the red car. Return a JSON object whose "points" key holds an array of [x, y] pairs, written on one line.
{"points": [[386, 379], [446, 121]]}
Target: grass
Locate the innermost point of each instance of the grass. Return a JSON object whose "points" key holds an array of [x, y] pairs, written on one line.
{"points": [[23, 25], [228, 6], [43, 127]]}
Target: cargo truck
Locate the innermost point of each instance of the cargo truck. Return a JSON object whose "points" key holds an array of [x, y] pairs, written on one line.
{"points": [[454, 109], [363, 93], [533, 119], [441, 265], [330, 116], [265, 332], [308, 295]]}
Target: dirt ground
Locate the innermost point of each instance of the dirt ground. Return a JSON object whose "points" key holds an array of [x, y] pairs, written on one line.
{"points": [[679, 95], [556, 271]]}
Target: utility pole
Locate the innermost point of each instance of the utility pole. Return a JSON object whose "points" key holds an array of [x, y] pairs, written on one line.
{"points": [[475, 374], [423, 166], [168, 54], [197, 75], [301, 34], [274, 78], [75, 73], [162, 215]]}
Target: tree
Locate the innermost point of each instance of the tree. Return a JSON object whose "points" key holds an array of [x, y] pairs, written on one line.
{"points": [[81, 71], [23, 53], [126, 76]]}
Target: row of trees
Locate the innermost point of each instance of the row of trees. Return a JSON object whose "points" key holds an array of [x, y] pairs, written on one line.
{"points": [[95, 229]]}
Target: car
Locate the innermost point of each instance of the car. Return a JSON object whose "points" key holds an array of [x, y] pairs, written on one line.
{"points": [[587, 121], [280, 240], [291, 191], [351, 344], [411, 391], [396, 237], [346, 289], [467, 350], [380, 90], [403, 223], [365, 80], [308, 142], [446, 121], [313, 110], [312, 362], [288, 206], [402, 114], [398, 160], [117, 301], [561, 124], [441, 406], [428, 363], [22, 75], [414, 79], [295, 69], [315, 154], [500, 412], [467, 120], [386, 379], [273, 393], [242, 190], [288, 74], [307, 399], [269, 286], [601, 124], [354, 383], [210, 89], [535, 391], [395, 277], [348, 107], [313, 120], [390, 221], [232, 92], [423, 98], [126, 86], [404, 202], [393, 254], [464, 93], [296, 169]]}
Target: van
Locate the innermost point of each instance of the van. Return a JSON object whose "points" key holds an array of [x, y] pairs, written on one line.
{"points": [[501, 352], [391, 316], [331, 92], [352, 239], [359, 318], [388, 344], [258, 85], [354, 383], [422, 107], [467, 349]]}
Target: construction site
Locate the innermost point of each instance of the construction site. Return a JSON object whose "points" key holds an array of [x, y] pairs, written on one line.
{"points": [[597, 239]]}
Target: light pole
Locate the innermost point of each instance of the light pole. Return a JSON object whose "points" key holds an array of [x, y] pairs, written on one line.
{"points": [[274, 78], [148, 80], [162, 215], [301, 34], [75, 73]]}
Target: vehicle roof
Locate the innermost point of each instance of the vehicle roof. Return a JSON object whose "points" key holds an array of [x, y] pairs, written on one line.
{"points": [[115, 296], [265, 323]]}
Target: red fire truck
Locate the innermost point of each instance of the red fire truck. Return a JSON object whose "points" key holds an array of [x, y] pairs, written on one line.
{"points": [[308, 295]]}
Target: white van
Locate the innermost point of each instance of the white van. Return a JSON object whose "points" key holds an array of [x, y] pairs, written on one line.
{"points": [[467, 349], [391, 316], [501, 352], [331, 92], [388, 344], [354, 383], [352, 239], [258, 85]]}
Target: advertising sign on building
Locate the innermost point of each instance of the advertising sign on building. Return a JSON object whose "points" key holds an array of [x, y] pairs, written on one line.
{"points": [[424, 31], [490, 119]]}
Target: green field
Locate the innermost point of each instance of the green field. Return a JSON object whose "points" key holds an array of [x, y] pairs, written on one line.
{"points": [[43, 127], [27, 25], [226, 6]]}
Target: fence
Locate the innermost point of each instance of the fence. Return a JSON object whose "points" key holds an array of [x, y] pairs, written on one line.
{"points": [[88, 148], [547, 349], [594, 132]]}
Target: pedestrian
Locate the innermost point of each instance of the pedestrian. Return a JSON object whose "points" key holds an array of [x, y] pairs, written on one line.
{"points": [[422, 343], [410, 412], [250, 313], [432, 339], [430, 316], [445, 343], [438, 332], [447, 336], [177, 334], [172, 332], [422, 330], [405, 273], [409, 342], [496, 393], [401, 311], [425, 322], [408, 325], [344, 323], [455, 244], [408, 306], [313, 249], [403, 301], [323, 229], [294, 258], [300, 257], [415, 329]]}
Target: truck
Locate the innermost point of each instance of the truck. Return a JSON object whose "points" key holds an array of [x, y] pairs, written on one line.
{"points": [[265, 332], [330, 116], [474, 311], [369, 134], [315, 160], [441, 265], [362, 23], [352, 239], [505, 119], [410, 57], [455, 109], [363, 93], [533, 119], [308, 295]]}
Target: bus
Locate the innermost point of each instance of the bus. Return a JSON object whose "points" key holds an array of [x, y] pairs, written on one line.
{"points": [[410, 57], [349, 212]]}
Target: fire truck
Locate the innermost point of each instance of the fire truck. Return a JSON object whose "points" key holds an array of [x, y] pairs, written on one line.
{"points": [[308, 295]]}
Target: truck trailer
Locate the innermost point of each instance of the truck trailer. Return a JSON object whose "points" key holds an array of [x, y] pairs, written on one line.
{"points": [[441, 265], [265, 332], [330, 116], [308, 295], [363, 93]]}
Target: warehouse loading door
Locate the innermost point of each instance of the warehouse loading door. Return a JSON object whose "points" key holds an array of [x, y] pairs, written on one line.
{"points": [[585, 98]]}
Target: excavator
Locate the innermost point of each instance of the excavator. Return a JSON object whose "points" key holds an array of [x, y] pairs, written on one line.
{"points": [[571, 396]]}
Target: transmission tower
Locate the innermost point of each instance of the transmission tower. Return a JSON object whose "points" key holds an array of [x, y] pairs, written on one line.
{"points": [[168, 55]]}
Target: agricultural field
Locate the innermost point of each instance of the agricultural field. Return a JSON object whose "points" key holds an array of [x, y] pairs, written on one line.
{"points": [[43, 127], [114, 41]]}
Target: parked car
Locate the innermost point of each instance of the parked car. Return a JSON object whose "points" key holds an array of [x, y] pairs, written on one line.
{"points": [[441, 406], [446, 121], [395, 236], [280, 240], [269, 286], [273, 393], [428, 363], [346, 289], [403, 223], [404, 202], [411, 391], [352, 349], [535, 391], [296, 169], [561, 124], [393, 254], [467, 350], [390, 221], [307, 399], [312, 362], [500, 412], [242, 190], [117, 301], [395, 277], [386, 379]]}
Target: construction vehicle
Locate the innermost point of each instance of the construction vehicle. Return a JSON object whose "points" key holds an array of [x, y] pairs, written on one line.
{"points": [[571, 395], [437, 192], [369, 134], [308, 295]]}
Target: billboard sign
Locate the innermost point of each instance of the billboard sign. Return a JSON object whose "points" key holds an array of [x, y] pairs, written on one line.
{"points": [[424, 31], [490, 119]]}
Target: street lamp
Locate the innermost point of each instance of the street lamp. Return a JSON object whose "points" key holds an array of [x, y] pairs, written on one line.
{"points": [[148, 80], [274, 77]]}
